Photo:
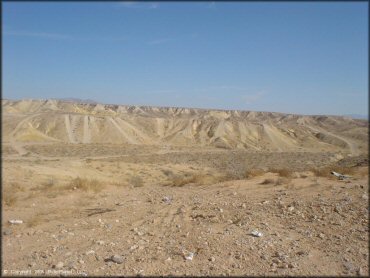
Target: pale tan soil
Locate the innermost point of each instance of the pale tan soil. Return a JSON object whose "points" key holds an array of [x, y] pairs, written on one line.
{"points": [[179, 189], [213, 220]]}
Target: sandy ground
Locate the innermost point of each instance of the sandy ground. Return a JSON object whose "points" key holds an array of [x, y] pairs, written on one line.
{"points": [[150, 210]]}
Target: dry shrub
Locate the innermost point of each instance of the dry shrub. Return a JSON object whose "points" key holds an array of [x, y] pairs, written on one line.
{"points": [[9, 198], [326, 171], [182, 180], [250, 173], [198, 178], [283, 172], [168, 173], [267, 181], [120, 184], [363, 172], [34, 221], [85, 184], [280, 181], [16, 187], [136, 181]]}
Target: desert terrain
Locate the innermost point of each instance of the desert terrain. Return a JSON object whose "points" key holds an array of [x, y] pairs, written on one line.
{"points": [[128, 190]]}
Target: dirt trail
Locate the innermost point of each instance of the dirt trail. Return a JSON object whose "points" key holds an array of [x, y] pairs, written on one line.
{"points": [[352, 146], [125, 135], [87, 135], [16, 145], [69, 129], [277, 139]]}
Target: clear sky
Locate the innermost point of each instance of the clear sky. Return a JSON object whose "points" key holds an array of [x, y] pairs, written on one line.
{"points": [[305, 58]]}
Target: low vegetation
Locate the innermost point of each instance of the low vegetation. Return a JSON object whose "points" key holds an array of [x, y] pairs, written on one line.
{"points": [[282, 172], [85, 185], [9, 198], [326, 171], [197, 178], [136, 181]]}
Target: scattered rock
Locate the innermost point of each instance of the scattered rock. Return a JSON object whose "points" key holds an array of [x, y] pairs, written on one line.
{"points": [[256, 233], [189, 256], [321, 235], [349, 266], [58, 265], [212, 259], [15, 222], [117, 259], [7, 232]]}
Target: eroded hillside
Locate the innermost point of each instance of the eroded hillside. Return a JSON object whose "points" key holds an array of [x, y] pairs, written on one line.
{"points": [[45, 121]]}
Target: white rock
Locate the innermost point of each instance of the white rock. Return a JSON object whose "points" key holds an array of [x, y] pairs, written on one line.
{"points": [[15, 222], [58, 265], [117, 259], [189, 256], [256, 233]]}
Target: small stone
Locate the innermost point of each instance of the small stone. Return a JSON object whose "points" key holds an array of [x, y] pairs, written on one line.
{"points": [[321, 235], [58, 265], [244, 205], [71, 265], [212, 259], [349, 266], [189, 256], [68, 254], [166, 199], [100, 242], [7, 232], [361, 272], [117, 259], [15, 222], [90, 252]]}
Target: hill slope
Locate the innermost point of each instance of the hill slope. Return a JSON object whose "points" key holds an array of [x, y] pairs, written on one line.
{"points": [[64, 121]]}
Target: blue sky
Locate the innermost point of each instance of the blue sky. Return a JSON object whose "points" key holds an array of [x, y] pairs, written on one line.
{"points": [[305, 58]]}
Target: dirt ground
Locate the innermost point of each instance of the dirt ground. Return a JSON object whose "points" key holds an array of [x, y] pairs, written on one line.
{"points": [[105, 209]]}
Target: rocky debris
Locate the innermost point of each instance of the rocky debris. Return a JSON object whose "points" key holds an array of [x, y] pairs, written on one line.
{"points": [[117, 259], [189, 256], [15, 221], [349, 266], [100, 242], [167, 199], [7, 232], [59, 265], [256, 233]]}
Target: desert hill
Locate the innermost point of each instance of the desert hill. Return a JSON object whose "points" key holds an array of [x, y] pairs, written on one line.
{"points": [[75, 122]]}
